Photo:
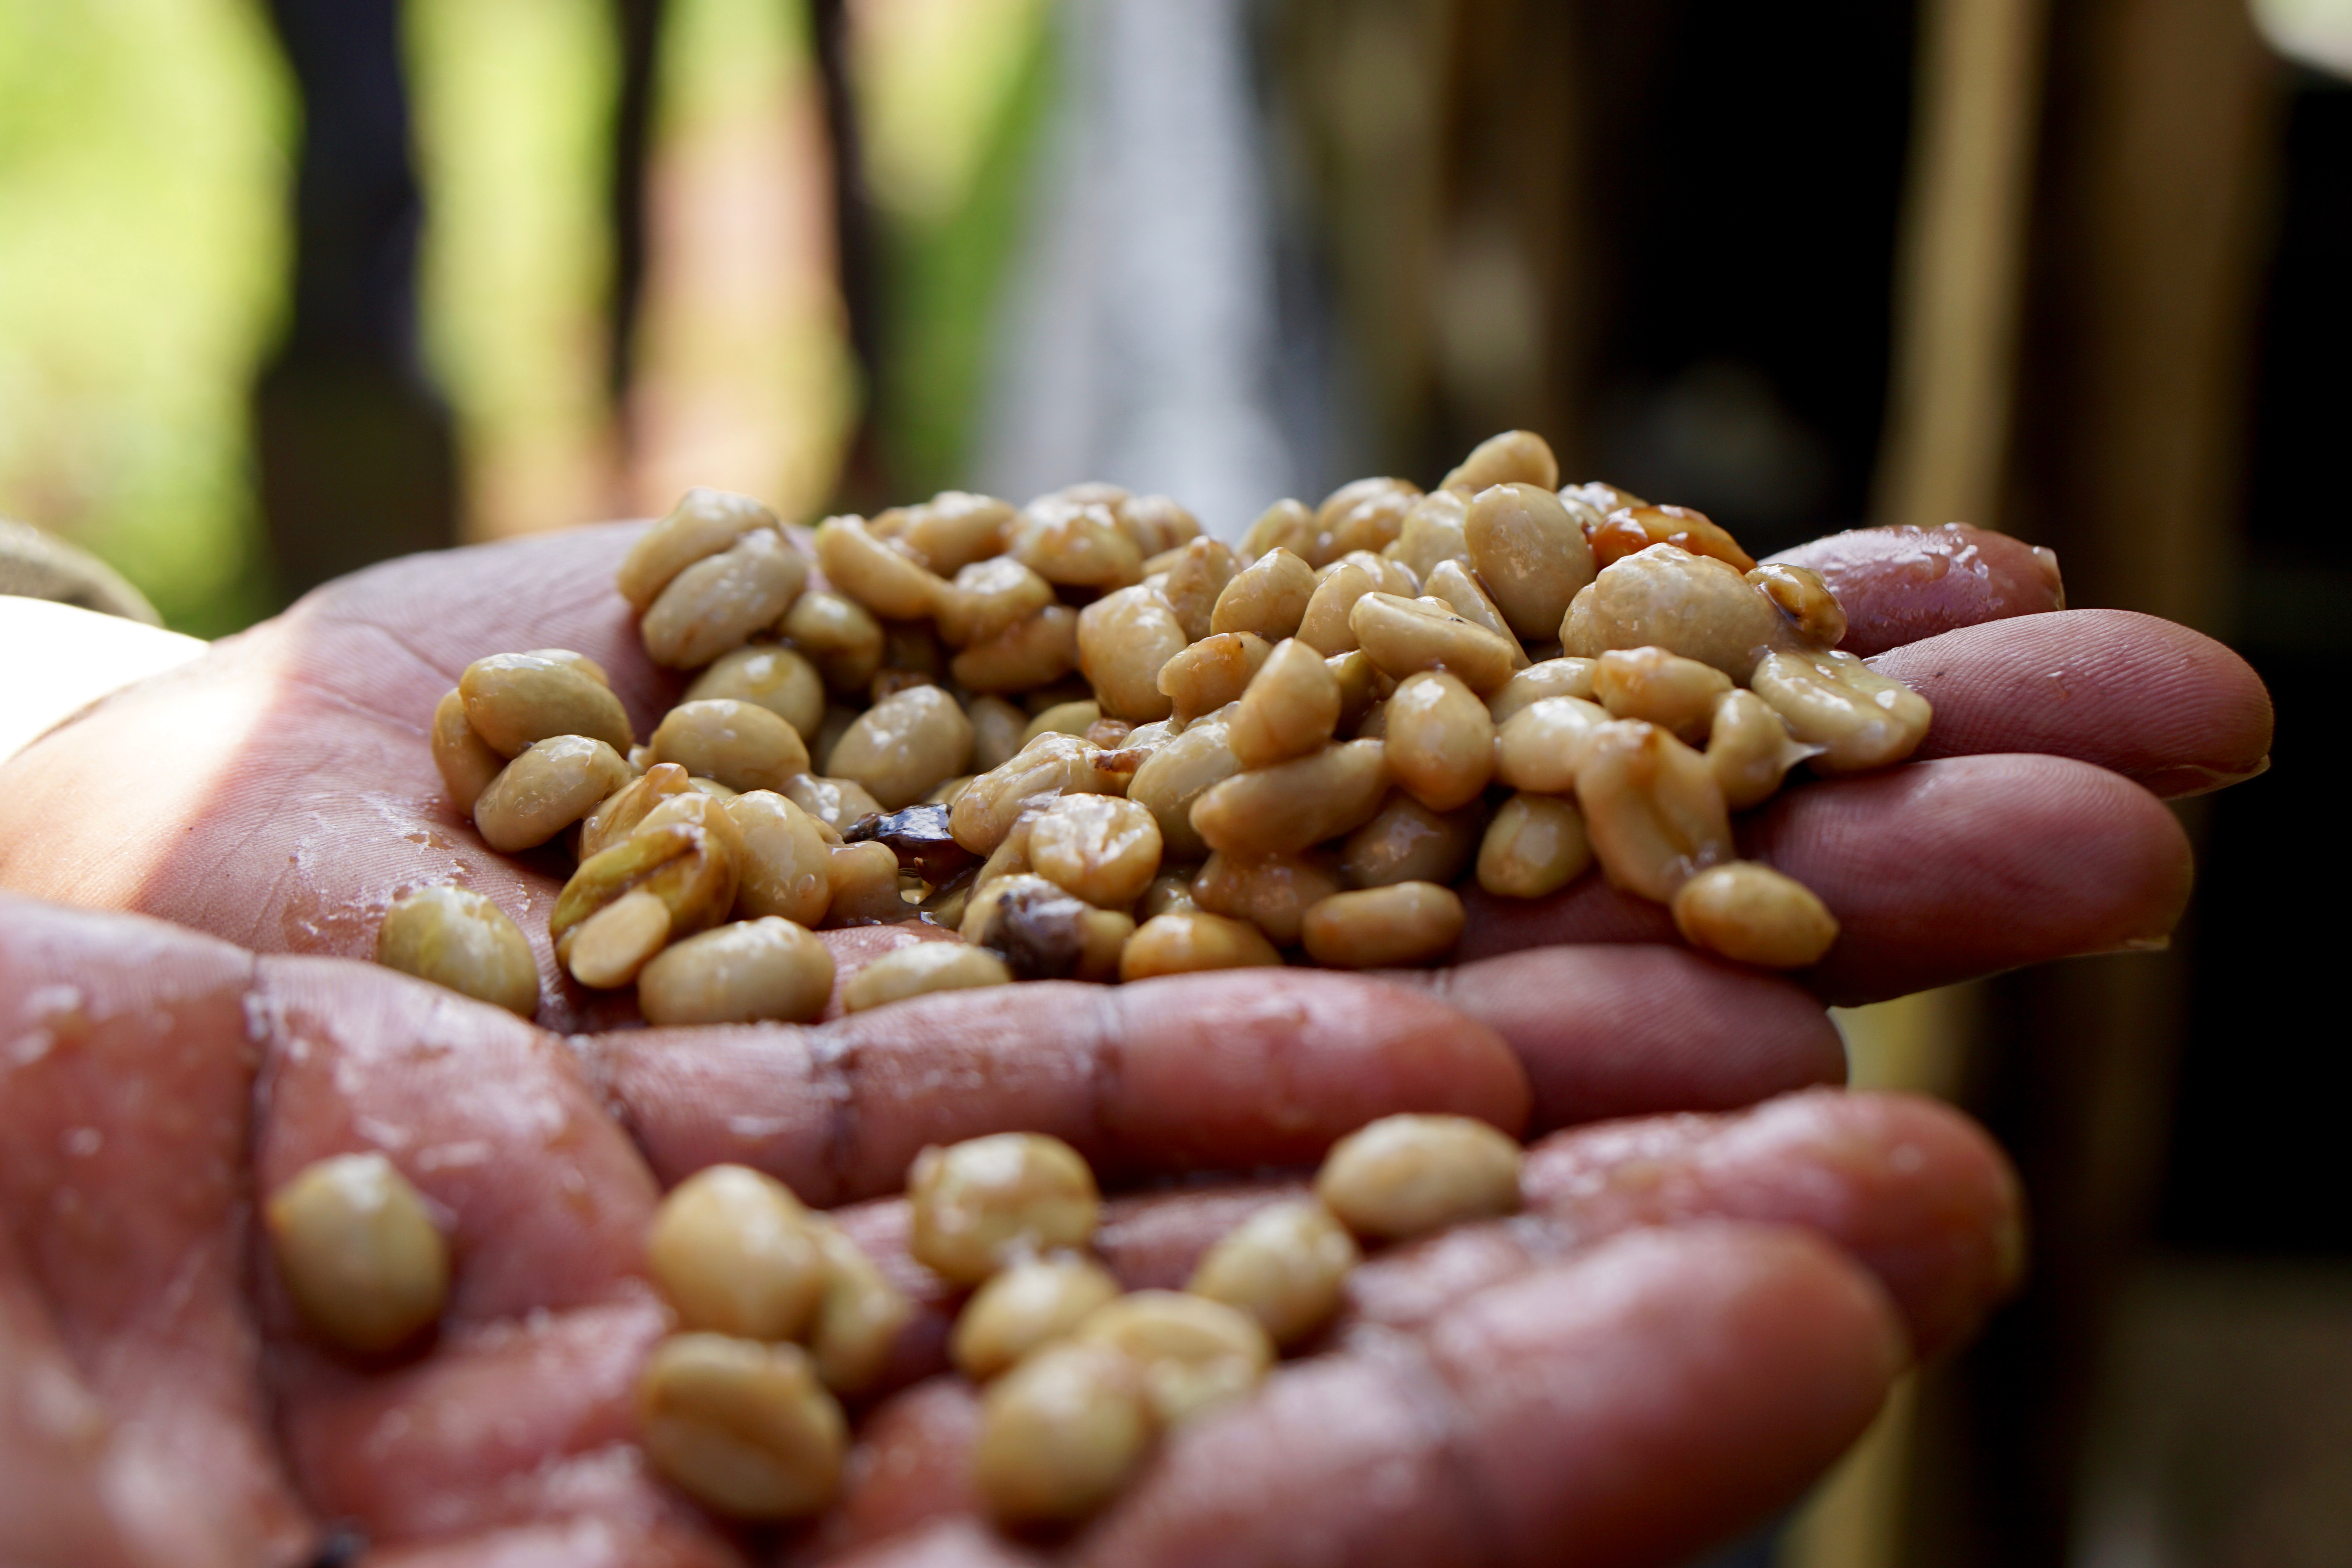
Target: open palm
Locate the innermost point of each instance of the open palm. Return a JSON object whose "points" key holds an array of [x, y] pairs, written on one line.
{"points": [[1697, 1314]]}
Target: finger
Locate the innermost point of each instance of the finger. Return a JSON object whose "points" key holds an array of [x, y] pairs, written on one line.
{"points": [[1210, 1072], [912, 1486], [125, 1088], [1631, 1404], [519, 1411], [568, 1543], [2167, 708], [1936, 872], [1912, 1190], [1898, 585], [950, 1543], [1635, 1031]]}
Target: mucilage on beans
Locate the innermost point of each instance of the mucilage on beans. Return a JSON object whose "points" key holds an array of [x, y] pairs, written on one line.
{"points": [[1190, 746]]}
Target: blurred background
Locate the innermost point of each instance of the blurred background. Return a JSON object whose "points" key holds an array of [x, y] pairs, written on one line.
{"points": [[290, 286]]}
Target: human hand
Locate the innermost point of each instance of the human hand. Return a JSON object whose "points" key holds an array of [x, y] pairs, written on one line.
{"points": [[1692, 1318], [279, 792]]}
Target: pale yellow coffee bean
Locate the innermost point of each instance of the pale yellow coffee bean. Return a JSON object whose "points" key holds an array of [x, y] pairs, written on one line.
{"points": [[777, 679], [1669, 691], [1324, 627], [836, 805], [987, 597], [1753, 914], [741, 744], [1285, 525], [1530, 554], [1043, 932], [1599, 498], [1060, 1435], [1439, 740], [1515, 457], [1362, 687], [753, 970], [1551, 678], [1195, 579], [1273, 892], [1286, 808], [1535, 847], [466, 763], [979, 1206], [1062, 718], [703, 524], [1269, 597], [606, 949], [1667, 597], [706, 809], [1366, 514], [1749, 749], [782, 865], [1286, 1266], [1433, 532], [905, 746], [1405, 841], [1026, 655], [1096, 848], [839, 636], [1156, 523], [1651, 807], [458, 938], [996, 730], [1383, 928], [860, 1316], [888, 582], [1027, 1306], [1212, 672], [683, 853], [1803, 600], [1171, 893], [863, 880], [359, 1252], [1403, 637], [1124, 638], [1079, 544], [1458, 588], [547, 789], [1175, 776], [515, 700], [731, 1252], [1289, 709], [1859, 717], [1404, 1176], [1539, 748], [918, 969], [1051, 765], [954, 529], [746, 1428], [718, 603], [1387, 576], [1186, 943], [1196, 1353]]}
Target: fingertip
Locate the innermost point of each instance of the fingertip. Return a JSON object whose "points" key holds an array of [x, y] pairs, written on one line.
{"points": [[2169, 708], [1664, 1389]]}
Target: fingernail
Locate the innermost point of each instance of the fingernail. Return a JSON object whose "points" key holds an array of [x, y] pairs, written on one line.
{"points": [[2159, 943], [2187, 779]]}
